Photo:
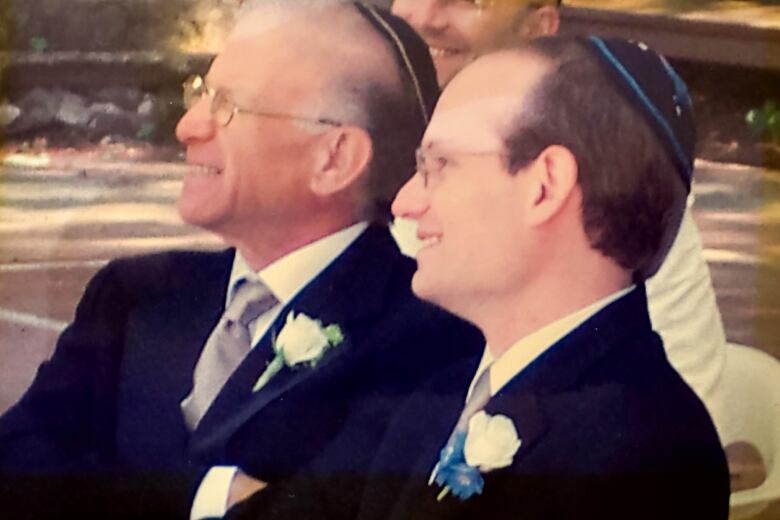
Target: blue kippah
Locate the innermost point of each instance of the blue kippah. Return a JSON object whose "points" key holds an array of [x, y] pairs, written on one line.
{"points": [[647, 80]]}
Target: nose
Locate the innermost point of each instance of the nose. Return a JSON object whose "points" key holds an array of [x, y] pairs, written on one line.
{"points": [[196, 124], [411, 202], [424, 15]]}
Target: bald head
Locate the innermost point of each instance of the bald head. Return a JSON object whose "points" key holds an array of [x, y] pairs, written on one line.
{"points": [[347, 63], [336, 52]]}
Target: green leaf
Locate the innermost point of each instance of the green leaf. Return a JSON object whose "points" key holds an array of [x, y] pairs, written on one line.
{"points": [[334, 334], [753, 119]]}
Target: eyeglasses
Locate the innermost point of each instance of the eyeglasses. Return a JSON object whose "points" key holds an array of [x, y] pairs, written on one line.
{"points": [[431, 165], [223, 109]]}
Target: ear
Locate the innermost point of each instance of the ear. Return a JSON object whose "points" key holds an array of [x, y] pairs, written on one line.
{"points": [[555, 174], [543, 21], [343, 156]]}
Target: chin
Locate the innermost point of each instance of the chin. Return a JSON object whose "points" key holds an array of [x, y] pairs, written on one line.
{"points": [[447, 68], [195, 215], [419, 287], [425, 290], [444, 75]]}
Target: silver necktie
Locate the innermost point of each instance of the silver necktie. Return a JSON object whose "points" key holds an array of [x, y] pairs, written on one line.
{"points": [[480, 395], [226, 347]]}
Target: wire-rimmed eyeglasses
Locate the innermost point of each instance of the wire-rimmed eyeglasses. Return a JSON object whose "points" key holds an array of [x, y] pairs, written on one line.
{"points": [[430, 165], [223, 109]]}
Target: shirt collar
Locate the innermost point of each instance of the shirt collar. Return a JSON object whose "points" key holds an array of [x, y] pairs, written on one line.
{"points": [[523, 352], [286, 276]]}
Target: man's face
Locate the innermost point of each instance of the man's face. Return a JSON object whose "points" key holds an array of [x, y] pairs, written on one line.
{"points": [[252, 174], [471, 215], [457, 31]]}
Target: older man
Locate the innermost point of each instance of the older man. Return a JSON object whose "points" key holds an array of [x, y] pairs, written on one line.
{"points": [[549, 180], [682, 302], [259, 356]]}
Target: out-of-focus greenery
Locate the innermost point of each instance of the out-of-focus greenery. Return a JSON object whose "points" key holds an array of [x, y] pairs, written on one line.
{"points": [[38, 43], [766, 120]]}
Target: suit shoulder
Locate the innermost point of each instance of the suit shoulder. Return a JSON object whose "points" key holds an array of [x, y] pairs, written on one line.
{"points": [[170, 262], [628, 424], [165, 269]]}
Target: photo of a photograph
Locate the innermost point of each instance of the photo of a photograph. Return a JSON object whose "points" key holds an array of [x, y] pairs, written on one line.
{"points": [[390, 259]]}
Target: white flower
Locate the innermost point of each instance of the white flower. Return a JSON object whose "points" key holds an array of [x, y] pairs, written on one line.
{"points": [[491, 442], [302, 339]]}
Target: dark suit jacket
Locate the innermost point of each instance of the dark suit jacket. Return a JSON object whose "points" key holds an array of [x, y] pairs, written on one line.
{"points": [[608, 429], [108, 400]]}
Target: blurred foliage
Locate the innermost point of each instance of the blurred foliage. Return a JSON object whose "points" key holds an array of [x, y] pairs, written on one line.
{"points": [[6, 24], [113, 25], [38, 43], [766, 120], [147, 132]]}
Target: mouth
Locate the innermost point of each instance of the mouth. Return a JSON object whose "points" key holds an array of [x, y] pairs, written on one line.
{"points": [[427, 240], [202, 170], [442, 52]]}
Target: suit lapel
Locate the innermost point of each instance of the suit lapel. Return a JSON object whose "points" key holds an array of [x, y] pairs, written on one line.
{"points": [[350, 289], [566, 362], [523, 400]]}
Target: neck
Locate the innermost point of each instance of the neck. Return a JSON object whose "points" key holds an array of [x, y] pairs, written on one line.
{"points": [[261, 250], [554, 294]]}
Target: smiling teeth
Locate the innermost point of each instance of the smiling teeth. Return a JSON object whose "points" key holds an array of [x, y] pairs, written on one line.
{"points": [[206, 170], [430, 241], [437, 52]]}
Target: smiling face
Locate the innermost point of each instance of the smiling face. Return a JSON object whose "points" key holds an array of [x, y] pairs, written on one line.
{"points": [[472, 215], [252, 175], [457, 31]]}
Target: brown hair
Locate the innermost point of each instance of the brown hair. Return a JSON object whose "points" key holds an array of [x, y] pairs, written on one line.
{"points": [[632, 196]]}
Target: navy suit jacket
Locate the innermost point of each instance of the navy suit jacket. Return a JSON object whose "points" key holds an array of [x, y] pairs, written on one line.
{"points": [[608, 430], [107, 403]]}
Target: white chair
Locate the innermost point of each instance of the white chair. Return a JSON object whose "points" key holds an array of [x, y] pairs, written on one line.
{"points": [[751, 380]]}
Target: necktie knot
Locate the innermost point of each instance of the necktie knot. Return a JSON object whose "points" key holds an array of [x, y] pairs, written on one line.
{"points": [[251, 299], [477, 399]]}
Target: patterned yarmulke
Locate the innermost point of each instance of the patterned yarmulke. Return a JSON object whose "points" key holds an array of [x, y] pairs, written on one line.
{"points": [[647, 80]]}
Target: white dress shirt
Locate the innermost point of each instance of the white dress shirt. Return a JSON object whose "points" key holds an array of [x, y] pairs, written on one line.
{"points": [[525, 350], [285, 278]]}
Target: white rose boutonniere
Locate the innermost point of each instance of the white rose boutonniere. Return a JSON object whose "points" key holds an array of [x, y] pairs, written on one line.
{"points": [[489, 443], [302, 340]]}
